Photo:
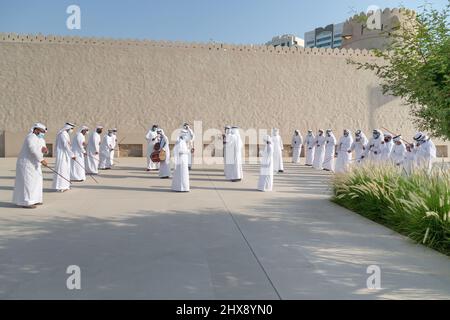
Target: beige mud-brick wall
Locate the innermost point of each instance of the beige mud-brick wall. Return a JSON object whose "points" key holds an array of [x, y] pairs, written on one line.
{"points": [[133, 84]]}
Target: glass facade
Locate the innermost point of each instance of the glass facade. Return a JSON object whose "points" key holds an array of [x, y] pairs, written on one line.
{"points": [[327, 37]]}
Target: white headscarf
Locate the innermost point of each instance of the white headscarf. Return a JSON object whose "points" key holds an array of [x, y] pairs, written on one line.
{"points": [[67, 126], [82, 128], [39, 125]]}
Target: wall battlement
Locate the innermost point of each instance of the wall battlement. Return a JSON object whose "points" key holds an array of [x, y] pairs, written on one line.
{"points": [[386, 12], [74, 40]]}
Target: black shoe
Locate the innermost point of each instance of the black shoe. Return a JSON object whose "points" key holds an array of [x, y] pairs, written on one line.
{"points": [[280, 171]]}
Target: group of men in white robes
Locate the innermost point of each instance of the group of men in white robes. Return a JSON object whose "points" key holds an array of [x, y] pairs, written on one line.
{"points": [[74, 158], [157, 141], [324, 152]]}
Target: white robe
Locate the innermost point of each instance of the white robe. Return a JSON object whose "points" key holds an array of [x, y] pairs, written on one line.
{"points": [[226, 166], [360, 147], [426, 154], [410, 163], [343, 155], [151, 138], [375, 146], [190, 137], [234, 157], [93, 153], [164, 166], [265, 182], [114, 144], [180, 179], [328, 162], [310, 147], [386, 150], [398, 154], [277, 153], [77, 171], [297, 142], [29, 181], [105, 151], [64, 155], [319, 155]]}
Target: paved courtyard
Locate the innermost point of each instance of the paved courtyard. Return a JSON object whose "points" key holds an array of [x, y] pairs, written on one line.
{"points": [[135, 239]]}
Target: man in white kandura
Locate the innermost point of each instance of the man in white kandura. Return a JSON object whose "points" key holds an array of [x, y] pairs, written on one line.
{"points": [[180, 179], [234, 149], [310, 147], [387, 148], [265, 182], [297, 142], [398, 153], [93, 151], [77, 171], [64, 155], [278, 148], [111, 156], [190, 137], [344, 152], [359, 146], [164, 165], [330, 139], [319, 154], [225, 138], [151, 138], [375, 146], [29, 181], [426, 152], [410, 163], [106, 146]]}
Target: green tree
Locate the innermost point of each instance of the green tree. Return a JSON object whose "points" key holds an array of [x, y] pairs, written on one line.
{"points": [[416, 67]]}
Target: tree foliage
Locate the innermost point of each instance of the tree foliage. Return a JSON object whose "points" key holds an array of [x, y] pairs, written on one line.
{"points": [[416, 67]]}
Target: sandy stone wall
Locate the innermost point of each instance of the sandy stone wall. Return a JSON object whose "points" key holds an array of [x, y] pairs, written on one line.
{"points": [[132, 84]]}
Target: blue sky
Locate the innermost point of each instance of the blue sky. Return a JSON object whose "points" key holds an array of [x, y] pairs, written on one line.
{"points": [[229, 21]]}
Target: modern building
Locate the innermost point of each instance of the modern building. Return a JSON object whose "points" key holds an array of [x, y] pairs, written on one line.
{"points": [[327, 37], [286, 40]]}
